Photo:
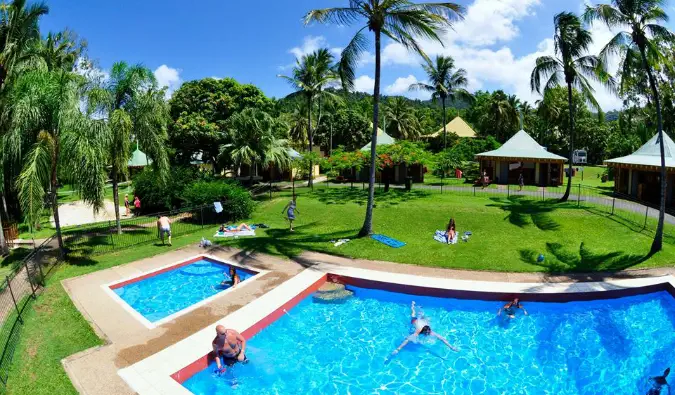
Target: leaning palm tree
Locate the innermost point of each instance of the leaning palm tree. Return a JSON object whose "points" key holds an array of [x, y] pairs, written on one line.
{"points": [[402, 121], [46, 105], [403, 22], [639, 22], [311, 74], [444, 83], [133, 107], [253, 142], [573, 67]]}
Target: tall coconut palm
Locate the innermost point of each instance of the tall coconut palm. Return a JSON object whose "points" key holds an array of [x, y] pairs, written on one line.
{"points": [[404, 23], [402, 123], [641, 29], [573, 67], [130, 103], [46, 104], [502, 115], [444, 83], [253, 142], [311, 74]]}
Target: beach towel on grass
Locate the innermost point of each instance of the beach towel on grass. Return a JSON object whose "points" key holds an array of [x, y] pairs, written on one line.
{"points": [[441, 237], [386, 240], [232, 234]]}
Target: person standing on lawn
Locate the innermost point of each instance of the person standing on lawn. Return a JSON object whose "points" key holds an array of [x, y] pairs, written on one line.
{"points": [[127, 205], [521, 182], [291, 209]]}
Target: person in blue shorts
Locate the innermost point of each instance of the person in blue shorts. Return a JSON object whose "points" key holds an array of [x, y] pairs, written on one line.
{"points": [[421, 327], [291, 209]]}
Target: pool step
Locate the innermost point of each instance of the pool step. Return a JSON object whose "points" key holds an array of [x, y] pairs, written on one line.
{"points": [[332, 293]]}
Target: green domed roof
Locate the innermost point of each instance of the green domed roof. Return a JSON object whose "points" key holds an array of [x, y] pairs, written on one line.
{"points": [[139, 159]]}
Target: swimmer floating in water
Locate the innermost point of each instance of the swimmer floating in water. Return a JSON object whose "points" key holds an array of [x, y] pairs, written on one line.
{"points": [[658, 383], [510, 308], [422, 327]]}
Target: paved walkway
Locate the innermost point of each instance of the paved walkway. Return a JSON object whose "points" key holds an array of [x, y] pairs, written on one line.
{"points": [[94, 371], [80, 213]]}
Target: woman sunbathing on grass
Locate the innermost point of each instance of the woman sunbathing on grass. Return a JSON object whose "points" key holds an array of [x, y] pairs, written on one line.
{"points": [[239, 228], [421, 325]]}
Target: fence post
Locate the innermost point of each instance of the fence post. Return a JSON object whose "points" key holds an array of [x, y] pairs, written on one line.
{"points": [[646, 214], [579, 195], [201, 215], [32, 290], [474, 190], [508, 190], [543, 193], [613, 201], [110, 230], [18, 313]]}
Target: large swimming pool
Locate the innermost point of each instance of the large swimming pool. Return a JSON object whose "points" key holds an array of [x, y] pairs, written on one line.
{"points": [[596, 347], [161, 295]]}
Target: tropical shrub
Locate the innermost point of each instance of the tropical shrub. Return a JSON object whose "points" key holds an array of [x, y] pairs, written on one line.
{"points": [[159, 196], [236, 200]]}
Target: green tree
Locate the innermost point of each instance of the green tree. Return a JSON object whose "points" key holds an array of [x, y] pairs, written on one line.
{"points": [[132, 107], [642, 20], [253, 141], [500, 116], [400, 20], [311, 74], [347, 127], [402, 122], [444, 82], [574, 67]]}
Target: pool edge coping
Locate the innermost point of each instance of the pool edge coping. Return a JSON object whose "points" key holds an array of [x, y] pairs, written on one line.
{"points": [[108, 290], [156, 374]]}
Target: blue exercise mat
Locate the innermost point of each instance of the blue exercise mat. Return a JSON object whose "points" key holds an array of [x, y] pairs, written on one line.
{"points": [[388, 241]]}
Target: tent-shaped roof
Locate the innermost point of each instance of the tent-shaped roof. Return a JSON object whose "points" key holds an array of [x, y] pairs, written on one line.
{"points": [[138, 159], [457, 126], [649, 154], [522, 147], [382, 139]]}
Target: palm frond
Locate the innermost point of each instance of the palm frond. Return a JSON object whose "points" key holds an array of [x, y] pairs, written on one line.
{"points": [[545, 67], [340, 16], [349, 59], [33, 179]]}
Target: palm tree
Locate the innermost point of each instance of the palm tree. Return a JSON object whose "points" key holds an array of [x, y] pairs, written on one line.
{"points": [[131, 103], [45, 105], [402, 121], [501, 115], [641, 30], [403, 22], [253, 141], [298, 127], [444, 82], [310, 75], [573, 66]]}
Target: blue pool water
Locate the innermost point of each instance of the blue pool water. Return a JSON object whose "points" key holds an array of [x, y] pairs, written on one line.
{"points": [[598, 347], [160, 296]]}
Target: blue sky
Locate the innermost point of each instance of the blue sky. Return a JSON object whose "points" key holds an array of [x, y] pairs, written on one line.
{"points": [[253, 41]]}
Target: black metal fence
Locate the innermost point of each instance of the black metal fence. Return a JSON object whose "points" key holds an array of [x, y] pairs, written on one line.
{"points": [[104, 237], [17, 291]]}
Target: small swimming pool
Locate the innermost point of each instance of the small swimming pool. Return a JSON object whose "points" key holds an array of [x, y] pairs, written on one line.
{"points": [[585, 347], [159, 295]]}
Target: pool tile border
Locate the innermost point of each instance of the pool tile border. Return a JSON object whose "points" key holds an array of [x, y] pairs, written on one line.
{"points": [[109, 287], [163, 372]]}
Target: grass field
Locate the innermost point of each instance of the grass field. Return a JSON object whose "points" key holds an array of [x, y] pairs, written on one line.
{"points": [[508, 234]]}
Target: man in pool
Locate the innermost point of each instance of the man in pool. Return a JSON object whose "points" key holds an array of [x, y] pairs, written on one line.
{"points": [[658, 383], [230, 345], [510, 308], [421, 325]]}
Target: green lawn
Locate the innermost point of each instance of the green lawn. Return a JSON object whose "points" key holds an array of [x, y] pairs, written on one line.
{"points": [[508, 234]]}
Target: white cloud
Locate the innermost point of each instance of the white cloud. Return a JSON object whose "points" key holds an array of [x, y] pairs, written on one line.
{"points": [[309, 45], [490, 21], [168, 77], [364, 84], [401, 85]]}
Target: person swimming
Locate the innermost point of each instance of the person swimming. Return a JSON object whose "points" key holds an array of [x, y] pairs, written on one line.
{"points": [[510, 308], [232, 280], [658, 382], [421, 327]]}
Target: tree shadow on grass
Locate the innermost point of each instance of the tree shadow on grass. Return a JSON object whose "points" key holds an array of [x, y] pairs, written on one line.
{"points": [[288, 244], [360, 197], [522, 212], [559, 259]]}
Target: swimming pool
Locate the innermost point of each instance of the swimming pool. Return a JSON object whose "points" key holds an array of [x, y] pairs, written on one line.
{"points": [[583, 347], [160, 295]]}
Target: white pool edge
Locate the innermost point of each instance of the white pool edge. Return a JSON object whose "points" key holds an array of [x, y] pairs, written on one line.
{"points": [[152, 325], [152, 376]]}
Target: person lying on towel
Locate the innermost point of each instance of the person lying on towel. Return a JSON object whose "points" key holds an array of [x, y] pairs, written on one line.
{"points": [[239, 228]]}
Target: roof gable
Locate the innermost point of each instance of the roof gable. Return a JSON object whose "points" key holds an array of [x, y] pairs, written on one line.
{"points": [[522, 145]]}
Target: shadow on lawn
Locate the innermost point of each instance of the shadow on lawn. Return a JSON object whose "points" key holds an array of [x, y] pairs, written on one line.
{"points": [[290, 245], [559, 259], [360, 197], [522, 212]]}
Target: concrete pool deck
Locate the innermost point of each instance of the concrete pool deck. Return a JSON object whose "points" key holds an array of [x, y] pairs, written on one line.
{"points": [[130, 344]]}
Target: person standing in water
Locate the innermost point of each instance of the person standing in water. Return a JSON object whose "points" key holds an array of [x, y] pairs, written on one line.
{"points": [[421, 327], [658, 382], [291, 209], [230, 345], [510, 308]]}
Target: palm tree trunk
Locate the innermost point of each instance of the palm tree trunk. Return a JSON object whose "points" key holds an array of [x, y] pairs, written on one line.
{"points": [[310, 183], [116, 199], [4, 249], [657, 244], [54, 196], [569, 172], [367, 228], [445, 140]]}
